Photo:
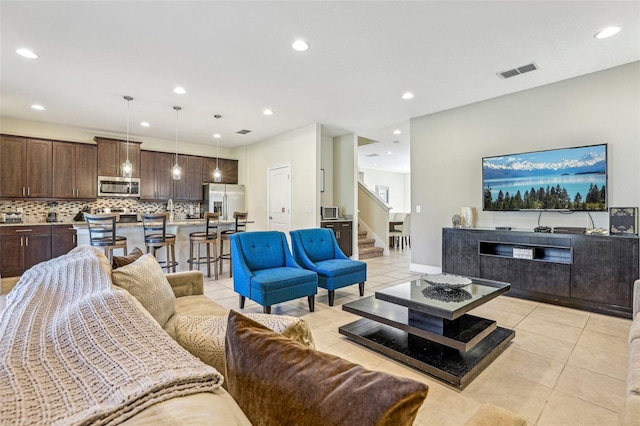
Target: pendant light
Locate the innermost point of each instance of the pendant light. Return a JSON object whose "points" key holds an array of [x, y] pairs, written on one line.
{"points": [[176, 172], [217, 174], [127, 168]]}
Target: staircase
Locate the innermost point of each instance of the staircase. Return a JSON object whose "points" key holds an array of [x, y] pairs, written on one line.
{"points": [[366, 248]]}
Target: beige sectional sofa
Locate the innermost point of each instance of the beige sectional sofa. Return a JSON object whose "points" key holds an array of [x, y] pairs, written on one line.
{"points": [[631, 412], [82, 343]]}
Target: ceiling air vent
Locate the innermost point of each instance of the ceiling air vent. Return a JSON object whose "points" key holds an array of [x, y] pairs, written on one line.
{"points": [[372, 155], [244, 131], [517, 71]]}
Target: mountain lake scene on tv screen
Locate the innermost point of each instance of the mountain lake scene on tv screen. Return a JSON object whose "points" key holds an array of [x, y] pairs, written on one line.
{"points": [[563, 179]]}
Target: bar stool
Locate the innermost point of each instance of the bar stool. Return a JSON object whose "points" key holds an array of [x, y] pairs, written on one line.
{"points": [[240, 226], [102, 234], [156, 237], [209, 237]]}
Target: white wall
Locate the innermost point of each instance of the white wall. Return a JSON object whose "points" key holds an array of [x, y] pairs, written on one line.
{"points": [[399, 187], [447, 148], [326, 163], [298, 148], [344, 178]]}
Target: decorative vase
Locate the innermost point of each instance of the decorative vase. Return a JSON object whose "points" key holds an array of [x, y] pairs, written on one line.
{"points": [[466, 215], [456, 220]]}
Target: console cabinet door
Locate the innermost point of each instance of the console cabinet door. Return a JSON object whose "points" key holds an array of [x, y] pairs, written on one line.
{"points": [[460, 252], [604, 269]]}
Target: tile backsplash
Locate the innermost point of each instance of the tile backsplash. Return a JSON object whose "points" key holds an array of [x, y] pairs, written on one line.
{"points": [[36, 211]]}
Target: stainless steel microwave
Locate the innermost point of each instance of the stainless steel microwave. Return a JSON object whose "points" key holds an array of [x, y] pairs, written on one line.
{"points": [[109, 186]]}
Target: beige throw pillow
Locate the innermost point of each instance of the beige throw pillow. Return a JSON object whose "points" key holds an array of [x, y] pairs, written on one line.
{"points": [[277, 381], [146, 282], [204, 335]]}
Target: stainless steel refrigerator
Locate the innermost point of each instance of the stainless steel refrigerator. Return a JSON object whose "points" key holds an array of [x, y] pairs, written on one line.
{"points": [[224, 199]]}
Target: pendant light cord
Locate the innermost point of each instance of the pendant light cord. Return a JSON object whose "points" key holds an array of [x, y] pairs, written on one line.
{"points": [[177, 108], [129, 99]]}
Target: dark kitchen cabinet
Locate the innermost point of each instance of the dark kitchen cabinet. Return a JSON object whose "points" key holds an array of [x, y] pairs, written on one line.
{"points": [[189, 187], [25, 167], [63, 239], [343, 229], [229, 169], [113, 152], [156, 181], [22, 247], [75, 170]]}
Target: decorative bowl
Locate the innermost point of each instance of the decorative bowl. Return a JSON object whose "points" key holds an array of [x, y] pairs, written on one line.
{"points": [[446, 280]]}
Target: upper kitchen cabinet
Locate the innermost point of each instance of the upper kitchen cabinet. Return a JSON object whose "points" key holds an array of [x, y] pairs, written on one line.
{"points": [[25, 167], [113, 152], [156, 181], [75, 170], [229, 169], [189, 188]]}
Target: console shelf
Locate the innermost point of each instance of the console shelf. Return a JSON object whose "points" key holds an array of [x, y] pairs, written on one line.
{"points": [[539, 253], [589, 272]]}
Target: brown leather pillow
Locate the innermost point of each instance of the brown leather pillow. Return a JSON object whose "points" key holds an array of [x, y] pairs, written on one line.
{"points": [[278, 381], [120, 261]]}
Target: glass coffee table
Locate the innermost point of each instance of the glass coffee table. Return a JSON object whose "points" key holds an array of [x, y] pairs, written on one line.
{"points": [[427, 327]]}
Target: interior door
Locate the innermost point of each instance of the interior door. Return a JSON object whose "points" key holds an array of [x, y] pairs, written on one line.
{"points": [[279, 199]]}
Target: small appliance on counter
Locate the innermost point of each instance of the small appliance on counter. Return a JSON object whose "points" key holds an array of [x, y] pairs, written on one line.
{"points": [[10, 217], [52, 216], [80, 216]]}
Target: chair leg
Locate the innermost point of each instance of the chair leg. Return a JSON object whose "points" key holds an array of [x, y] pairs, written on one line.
{"points": [[332, 294], [312, 301], [208, 259], [173, 257], [191, 259], [266, 309], [361, 286], [242, 299], [216, 260]]}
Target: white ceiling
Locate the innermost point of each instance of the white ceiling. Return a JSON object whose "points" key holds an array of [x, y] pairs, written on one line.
{"points": [[234, 58]]}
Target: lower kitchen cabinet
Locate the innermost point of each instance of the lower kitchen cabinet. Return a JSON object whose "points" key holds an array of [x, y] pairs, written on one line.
{"points": [[21, 247], [63, 239], [344, 234]]}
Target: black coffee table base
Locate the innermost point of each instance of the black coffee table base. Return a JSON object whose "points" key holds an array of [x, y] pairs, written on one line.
{"points": [[453, 366]]}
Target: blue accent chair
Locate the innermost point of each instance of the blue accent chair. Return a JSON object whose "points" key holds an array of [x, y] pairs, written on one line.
{"points": [[317, 250], [265, 272]]}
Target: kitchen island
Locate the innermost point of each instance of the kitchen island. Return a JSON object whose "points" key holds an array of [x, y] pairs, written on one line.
{"points": [[134, 233]]}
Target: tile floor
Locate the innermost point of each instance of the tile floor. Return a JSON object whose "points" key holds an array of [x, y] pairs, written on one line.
{"points": [[564, 366]]}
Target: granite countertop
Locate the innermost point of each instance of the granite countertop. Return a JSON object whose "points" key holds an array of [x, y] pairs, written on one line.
{"points": [[179, 222]]}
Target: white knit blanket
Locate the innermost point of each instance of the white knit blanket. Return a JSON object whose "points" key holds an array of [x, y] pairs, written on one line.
{"points": [[73, 351]]}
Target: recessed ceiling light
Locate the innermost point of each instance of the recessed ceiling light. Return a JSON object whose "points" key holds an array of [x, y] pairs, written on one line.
{"points": [[407, 95], [27, 53], [217, 135], [268, 112], [145, 124], [179, 90], [38, 107], [397, 132], [388, 152], [607, 32], [300, 45]]}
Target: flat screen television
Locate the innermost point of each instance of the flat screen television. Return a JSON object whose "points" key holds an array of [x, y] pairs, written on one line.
{"points": [[571, 179]]}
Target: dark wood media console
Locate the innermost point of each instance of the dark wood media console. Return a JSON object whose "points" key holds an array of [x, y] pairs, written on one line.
{"points": [[589, 272]]}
